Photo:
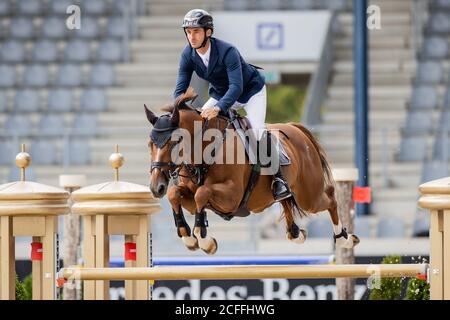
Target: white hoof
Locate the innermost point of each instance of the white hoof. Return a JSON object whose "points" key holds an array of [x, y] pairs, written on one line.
{"points": [[348, 243], [208, 244], [190, 242], [300, 239]]}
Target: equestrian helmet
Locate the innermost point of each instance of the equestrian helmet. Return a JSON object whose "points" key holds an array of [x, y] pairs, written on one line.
{"points": [[198, 18]]}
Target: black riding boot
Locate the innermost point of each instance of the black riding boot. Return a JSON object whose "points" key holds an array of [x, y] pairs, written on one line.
{"points": [[280, 188]]}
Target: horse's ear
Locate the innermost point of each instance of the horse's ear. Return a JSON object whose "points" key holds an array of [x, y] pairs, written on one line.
{"points": [[152, 118], [175, 118]]}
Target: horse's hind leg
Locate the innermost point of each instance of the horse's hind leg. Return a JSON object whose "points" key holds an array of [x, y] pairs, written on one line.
{"points": [[293, 232], [341, 237]]}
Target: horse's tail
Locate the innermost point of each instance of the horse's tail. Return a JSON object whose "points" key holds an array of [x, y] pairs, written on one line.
{"points": [[323, 157]]}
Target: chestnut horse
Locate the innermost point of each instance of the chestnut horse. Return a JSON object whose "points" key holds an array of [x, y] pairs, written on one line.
{"points": [[221, 186]]}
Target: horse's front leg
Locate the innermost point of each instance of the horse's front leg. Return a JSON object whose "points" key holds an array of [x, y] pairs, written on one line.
{"points": [[181, 196], [205, 242]]}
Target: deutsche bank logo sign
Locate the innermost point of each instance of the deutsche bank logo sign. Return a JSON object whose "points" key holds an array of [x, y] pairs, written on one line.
{"points": [[270, 36]]}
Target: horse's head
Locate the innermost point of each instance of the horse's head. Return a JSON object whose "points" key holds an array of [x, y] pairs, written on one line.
{"points": [[161, 144]]}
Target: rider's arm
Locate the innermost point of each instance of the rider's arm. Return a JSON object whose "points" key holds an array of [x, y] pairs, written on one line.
{"points": [[185, 70], [235, 83]]}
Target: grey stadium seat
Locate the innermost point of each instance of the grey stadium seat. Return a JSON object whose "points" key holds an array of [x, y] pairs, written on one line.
{"points": [[446, 104], [17, 124], [79, 152], [439, 23], [301, 4], [362, 227], [236, 5], [419, 122], [435, 48], [424, 97], [117, 28], [94, 7], [60, 100], [90, 29], [93, 100], [413, 148], [59, 7], [118, 6], [52, 124], [21, 28], [85, 124], [391, 228], [45, 51], [13, 51], [441, 150], [69, 75], [43, 152], [36, 76], [8, 151], [320, 228], [30, 7], [5, 8], [110, 51], [102, 75], [3, 101], [433, 170], [54, 28], [430, 72], [27, 100], [421, 226], [8, 76], [77, 51]]}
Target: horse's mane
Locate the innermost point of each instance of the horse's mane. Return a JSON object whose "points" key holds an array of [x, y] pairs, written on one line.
{"points": [[180, 101]]}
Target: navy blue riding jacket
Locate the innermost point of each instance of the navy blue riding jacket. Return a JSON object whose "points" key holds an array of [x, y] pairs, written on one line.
{"points": [[230, 78]]}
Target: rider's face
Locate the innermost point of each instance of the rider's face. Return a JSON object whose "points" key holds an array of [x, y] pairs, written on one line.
{"points": [[195, 36]]}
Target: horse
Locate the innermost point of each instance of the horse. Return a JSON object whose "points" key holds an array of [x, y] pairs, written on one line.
{"points": [[221, 186]]}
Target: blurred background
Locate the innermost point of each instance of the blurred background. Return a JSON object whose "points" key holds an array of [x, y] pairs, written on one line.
{"points": [[71, 95]]}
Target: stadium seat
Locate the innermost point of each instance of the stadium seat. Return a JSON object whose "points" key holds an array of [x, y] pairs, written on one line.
{"points": [[17, 124], [69, 75], [31, 7], [3, 101], [54, 28], [430, 72], [362, 227], [102, 75], [77, 51], [8, 151], [43, 152], [90, 29], [85, 124], [13, 51], [52, 124], [36, 76], [95, 7], [93, 100], [45, 51], [79, 152], [435, 48], [60, 100], [424, 97], [413, 148], [27, 100], [439, 23], [391, 228], [433, 170], [110, 51], [419, 122], [320, 228], [8, 76], [21, 28]]}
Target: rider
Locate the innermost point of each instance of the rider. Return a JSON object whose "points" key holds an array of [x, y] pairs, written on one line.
{"points": [[233, 82]]}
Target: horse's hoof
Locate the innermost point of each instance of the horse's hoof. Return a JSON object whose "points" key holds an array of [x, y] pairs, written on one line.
{"points": [[190, 242], [300, 239], [208, 244], [351, 241]]}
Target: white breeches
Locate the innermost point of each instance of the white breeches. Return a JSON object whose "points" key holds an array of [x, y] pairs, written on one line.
{"points": [[255, 108]]}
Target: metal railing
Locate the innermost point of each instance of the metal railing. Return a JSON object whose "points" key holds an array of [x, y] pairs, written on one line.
{"points": [[318, 83]]}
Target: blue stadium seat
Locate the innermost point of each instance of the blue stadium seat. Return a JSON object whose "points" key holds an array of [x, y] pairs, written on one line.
{"points": [[54, 28], [31, 7], [13, 51], [69, 75], [43, 152], [116, 27], [93, 100], [52, 124], [14, 174], [45, 51], [5, 8], [269, 4], [27, 100], [301, 4], [85, 124], [59, 7], [430, 72], [419, 122], [110, 51], [102, 75], [320, 228], [435, 48], [17, 124], [362, 227], [391, 228], [424, 97], [21, 28], [439, 23], [36, 76], [3, 101], [77, 51], [441, 150], [413, 148], [95, 7], [433, 170], [90, 29], [8, 76], [8, 151], [60, 100], [441, 4], [79, 152]]}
